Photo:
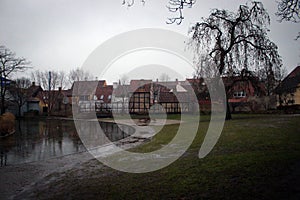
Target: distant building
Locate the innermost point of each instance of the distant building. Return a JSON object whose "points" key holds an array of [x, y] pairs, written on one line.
{"points": [[33, 104], [4, 82], [288, 91], [22, 101], [173, 96], [90, 96], [247, 93]]}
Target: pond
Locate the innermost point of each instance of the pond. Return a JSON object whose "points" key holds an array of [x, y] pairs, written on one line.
{"points": [[36, 140]]}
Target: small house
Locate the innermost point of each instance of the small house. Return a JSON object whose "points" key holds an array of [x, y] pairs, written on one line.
{"points": [[288, 91]]}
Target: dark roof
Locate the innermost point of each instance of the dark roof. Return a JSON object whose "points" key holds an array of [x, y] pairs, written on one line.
{"points": [[140, 85], [33, 90], [167, 97], [290, 83], [82, 88], [121, 90]]}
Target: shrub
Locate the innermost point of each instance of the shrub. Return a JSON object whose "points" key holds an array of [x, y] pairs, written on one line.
{"points": [[7, 123]]}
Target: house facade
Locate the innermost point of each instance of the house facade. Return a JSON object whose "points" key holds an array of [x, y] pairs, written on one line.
{"points": [[172, 96], [288, 91], [90, 96], [247, 93]]}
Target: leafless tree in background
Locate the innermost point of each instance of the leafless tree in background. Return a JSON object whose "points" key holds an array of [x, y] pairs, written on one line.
{"points": [[9, 64], [164, 77], [50, 79], [79, 74], [19, 92], [174, 6], [237, 41], [52, 82], [205, 67], [288, 10], [177, 6]]}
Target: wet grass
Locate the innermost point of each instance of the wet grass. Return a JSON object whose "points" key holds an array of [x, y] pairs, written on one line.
{"points": [[257, 157]]}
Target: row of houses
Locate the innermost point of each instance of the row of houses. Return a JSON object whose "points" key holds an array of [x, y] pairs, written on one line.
{"points": [[244, 93]]}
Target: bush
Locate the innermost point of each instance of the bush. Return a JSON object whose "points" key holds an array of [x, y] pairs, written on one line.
{"points": [[7, 123]]}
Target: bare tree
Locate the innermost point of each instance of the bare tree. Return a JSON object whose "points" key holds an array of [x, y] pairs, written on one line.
{"points": [[174, 6], [205, 67], [289, 10], [236, 41], [123, 91], [52, 82], [9, 64], [79, 74], [62, 80], [52, 99], [164, 77], [271, 78], [41, 78], [19, 92], [124, 79], [177, 6]]}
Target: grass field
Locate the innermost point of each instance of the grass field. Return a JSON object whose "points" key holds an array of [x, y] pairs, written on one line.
{"points": [[257, 157]]}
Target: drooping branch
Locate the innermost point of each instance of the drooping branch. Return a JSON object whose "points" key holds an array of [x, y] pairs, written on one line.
{"points": [[237, 41], [226, 34], [174, 6], [288, 10], [177, 6]]}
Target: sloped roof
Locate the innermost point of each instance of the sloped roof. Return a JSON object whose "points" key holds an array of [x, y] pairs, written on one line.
{"points": [[142, 84], [167, 97], [290, 83], [33, 90], [121, 90], [83, 88]]}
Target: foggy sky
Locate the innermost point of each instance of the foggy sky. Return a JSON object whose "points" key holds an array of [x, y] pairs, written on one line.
{"points": [[60, 35]]}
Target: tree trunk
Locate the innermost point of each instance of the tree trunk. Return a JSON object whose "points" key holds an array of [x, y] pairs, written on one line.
{"points": [[2, 104], [19, 110], [228, 112]]}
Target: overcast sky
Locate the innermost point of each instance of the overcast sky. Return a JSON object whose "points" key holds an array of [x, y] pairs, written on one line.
{"points": [[60, 34]]}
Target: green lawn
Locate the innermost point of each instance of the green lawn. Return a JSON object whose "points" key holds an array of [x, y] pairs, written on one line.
{"points": [[257, 157]]}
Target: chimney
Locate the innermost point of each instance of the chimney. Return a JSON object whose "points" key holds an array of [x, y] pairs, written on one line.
{"points": [[33, 83], [115, 85], [176, 80], [59, 89]]}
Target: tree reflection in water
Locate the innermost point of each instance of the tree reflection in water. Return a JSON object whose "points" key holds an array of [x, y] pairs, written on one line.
{"points": [[37, 140]]}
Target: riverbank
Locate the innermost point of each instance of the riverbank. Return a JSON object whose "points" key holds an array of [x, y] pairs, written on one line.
{"points": [[257, 157]]}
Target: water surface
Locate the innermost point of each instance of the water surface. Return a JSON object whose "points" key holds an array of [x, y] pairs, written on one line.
{"points": [[37, 140]]}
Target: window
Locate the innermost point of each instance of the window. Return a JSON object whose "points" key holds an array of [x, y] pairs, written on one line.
{"points": [[84, 98], [239, 94], [95, 98], [102, 97], [109, 97]]}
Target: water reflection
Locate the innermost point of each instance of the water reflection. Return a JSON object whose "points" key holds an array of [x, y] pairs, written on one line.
{"points": [[37, 140]]}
